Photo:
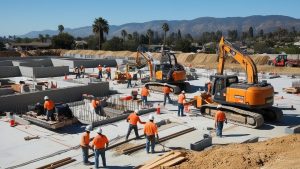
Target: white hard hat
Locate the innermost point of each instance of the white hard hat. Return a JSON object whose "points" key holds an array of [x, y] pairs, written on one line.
{"points": [[136, 111], [219, 106], [46, 98], [207, 81], [88, 128], [99, 130], [182, 91], [151, 117], [165, 84]]}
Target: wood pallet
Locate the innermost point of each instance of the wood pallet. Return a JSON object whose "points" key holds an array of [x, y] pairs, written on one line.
{"points": [[292, 90], [49, 124], [169, 159]]}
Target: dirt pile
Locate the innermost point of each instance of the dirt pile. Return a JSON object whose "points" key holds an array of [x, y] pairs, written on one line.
{"points": [[278, 153], [9, 54]]}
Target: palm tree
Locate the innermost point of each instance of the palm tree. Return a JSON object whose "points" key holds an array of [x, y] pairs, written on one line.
{"points": [[124, 34], [47, 36], [41, 37], [165, 27], [61, 28], [100, 26], [150, 35]]}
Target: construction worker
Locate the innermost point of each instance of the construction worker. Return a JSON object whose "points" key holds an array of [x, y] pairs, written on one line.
{"points": [[181, 99], [167, 91], [84, 144], [129, 78], [145, 94], [100, 144], [108, 71], [220, 118], [150, 130], [100, 72], [82, 71], [49, 108], [96, 104], [77, 73], [133, 118]]}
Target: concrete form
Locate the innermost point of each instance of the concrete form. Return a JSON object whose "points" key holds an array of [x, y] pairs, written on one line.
{"points": [[41, 72], [88, 63], [9, 71]]}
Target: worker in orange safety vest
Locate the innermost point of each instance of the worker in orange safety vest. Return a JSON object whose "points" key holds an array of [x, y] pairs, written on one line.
{"points": [[167, 91], [145, 93], [220, 118], [181, 99], [133, 119], [84, 144], [108, 71], [100, 144], [96, 104], [49, 108], [150, 130], [99, 71], [128, 78]]}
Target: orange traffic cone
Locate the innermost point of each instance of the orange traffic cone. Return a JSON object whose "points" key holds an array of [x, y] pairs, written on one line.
{"points": [[158, 109], [66, 77]]}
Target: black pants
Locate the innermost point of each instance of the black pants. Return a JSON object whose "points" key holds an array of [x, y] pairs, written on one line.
{"points": [[135, 128]]}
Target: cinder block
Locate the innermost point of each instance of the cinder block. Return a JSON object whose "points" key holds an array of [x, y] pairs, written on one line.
{"points": [[292, 129], [202, 144]]}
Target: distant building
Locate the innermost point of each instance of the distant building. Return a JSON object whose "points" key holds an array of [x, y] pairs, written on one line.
{"points": [[80, 44], [27, 46]]}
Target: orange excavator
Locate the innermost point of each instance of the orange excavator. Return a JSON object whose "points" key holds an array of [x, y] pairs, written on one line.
{"points": [[168, 71], [244, 103]]}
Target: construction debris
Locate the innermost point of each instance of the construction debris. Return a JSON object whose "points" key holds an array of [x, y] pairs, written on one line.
{"points": [[31, 137], [57, 164]]}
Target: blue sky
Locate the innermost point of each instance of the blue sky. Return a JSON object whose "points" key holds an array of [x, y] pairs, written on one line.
{"points": [[21, 16]]}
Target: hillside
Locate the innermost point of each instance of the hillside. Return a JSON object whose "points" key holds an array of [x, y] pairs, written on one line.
{"points": [[195, 27]]}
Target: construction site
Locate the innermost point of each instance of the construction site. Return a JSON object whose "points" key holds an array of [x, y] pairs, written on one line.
{"points": [[261, 102]]}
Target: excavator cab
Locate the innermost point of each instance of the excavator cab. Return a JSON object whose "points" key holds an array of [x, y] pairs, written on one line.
{"points": [[219, 85]]}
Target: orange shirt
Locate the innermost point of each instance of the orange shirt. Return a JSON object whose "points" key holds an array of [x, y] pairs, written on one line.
{"points": [[128, 76], [166, 90], [85, 139], [150, 129], [49, 105], [220, 116], [108, 69], [134, 118], [144, 91], [209, 87], [181, 98], [99, 141], [95, 103], [100, 68]]}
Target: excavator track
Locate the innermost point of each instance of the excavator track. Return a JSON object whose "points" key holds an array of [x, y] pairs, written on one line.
{"points": [[157, 86], [235, 115]]}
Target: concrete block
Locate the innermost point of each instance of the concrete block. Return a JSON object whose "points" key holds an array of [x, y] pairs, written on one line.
{"points": [[6, 91], [292, 129], [251, 140], [202, 144], [88, 63], [41, 72], [9, 71], [6, 63]]}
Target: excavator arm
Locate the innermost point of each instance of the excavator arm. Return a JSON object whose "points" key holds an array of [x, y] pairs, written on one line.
{"points": [[245, 61], [148, 60]]}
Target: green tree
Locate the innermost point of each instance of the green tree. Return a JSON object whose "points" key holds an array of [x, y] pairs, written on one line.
{"points": [[135, 36], [63, 41], [129, 36], [100, 26], [250, 32], [114, 44], [47, 37], [233, 35], [61, 28], [261, 33], [178, 34], [150, 34], [124, 34], [183, 45], [2, 46], [41, 37], [165, 28]]}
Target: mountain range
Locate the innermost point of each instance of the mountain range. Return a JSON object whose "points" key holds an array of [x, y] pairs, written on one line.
{"points": [[195, 27]]}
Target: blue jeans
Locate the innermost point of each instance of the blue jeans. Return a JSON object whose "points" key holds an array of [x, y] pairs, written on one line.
{"points": [[129, 83], [109, 75], [180, 109], [219, 128], [100, 75], [150, 140], [102, 153], [50, 114], [144, 99], [167, 96], [135, 128], [85, 153]]}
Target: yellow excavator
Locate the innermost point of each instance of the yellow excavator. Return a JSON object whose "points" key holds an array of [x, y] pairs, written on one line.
{"points": [[168, 71], [244, 103]]}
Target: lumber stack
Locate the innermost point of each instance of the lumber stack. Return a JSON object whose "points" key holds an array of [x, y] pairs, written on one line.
{"points": [[292, 90], [169, 159]]}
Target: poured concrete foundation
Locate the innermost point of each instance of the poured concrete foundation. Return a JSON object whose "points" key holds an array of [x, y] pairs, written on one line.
{"points": [[9, 71]]}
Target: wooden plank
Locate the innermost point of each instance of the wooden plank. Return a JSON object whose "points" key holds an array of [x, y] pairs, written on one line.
{"points": [[61, 164], [56, 162], [164, 160], [174, 162], [152, 161]]}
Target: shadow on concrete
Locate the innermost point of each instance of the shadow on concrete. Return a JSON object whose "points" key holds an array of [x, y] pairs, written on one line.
{"points": [[193, 89], [266, 127], [235, 135], [289, 120], [72, 129], [119, 167]]}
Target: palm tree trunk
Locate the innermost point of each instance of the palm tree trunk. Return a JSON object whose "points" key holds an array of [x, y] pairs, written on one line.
{"points": [[99, 40], [165, 38]]}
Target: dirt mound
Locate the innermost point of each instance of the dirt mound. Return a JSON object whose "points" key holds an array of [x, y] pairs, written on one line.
{"points": [[9, 54], [281, 152]]}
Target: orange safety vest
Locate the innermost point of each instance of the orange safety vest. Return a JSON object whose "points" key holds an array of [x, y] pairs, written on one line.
{"points": [[144, 92], [220, 116], [150, 129], [95, 103], [85, 139], [166, 90], [128, 76], [181, 97], [108, 69], [133, 119], [49, 105], [100, 68], [209, 87], [99, 141]]}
